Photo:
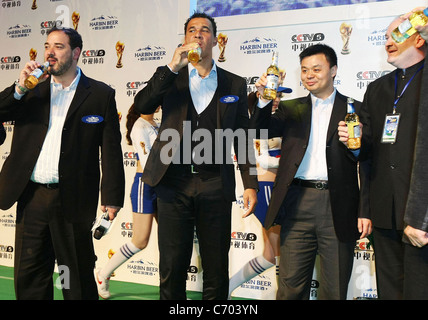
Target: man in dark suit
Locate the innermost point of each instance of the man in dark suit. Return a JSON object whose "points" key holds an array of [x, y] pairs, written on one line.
{"points": [[53, 170], [399, 267], [195, 187], [315, 197]]}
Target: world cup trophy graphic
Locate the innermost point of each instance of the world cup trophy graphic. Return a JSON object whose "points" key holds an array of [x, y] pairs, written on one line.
{"points": [[33, 54], [120, 47], [345, 32], [222, 41], [34, 5], [75, 17]]}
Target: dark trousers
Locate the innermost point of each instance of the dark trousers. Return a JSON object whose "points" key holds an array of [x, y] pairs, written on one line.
{"points": [[401, 269], [43, 236], [307, 230], [185, 204]]}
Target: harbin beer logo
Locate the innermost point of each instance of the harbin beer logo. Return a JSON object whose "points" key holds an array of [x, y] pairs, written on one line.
{"points": [[259, 46], [150, 53], [19, 31], [104, 23], [377, 37]]}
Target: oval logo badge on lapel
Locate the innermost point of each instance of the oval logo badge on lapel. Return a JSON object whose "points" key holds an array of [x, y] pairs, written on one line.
{"points": [[92, 119], [229, 99]]}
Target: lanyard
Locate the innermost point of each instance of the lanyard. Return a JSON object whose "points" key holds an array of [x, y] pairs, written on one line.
{"points": [[405, 87]]}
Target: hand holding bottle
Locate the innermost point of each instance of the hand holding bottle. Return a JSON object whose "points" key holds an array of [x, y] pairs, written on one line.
{"points": [[343, 132], [25, 73], [411, 22], [262, 82], [179, 59], [423, 30], [260, 86]]}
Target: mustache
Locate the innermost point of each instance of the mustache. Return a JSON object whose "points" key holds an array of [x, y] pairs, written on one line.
{"points": [[51, 56]]}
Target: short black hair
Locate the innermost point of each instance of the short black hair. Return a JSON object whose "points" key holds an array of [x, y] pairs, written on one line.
{"points": [[74, 37], [328, 52], [202, 15]]}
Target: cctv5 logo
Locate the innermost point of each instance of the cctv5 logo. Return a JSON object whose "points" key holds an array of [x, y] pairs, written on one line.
{"points": [[306, 37], [10, 59], [135, 84], [93, 53], [244, 236], [126, 225], [50, 24], [371, 75], [130, 155]]}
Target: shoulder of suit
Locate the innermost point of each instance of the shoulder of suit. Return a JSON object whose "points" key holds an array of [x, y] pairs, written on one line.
{"points": [[230, 75], [227, 73], [383, 80], [87, 81]]}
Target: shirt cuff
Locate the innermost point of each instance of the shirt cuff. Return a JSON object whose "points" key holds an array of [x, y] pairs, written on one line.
{"points": [[261, 104]]}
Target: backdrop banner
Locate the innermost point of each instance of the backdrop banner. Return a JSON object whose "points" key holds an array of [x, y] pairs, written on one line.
{"points": [[124, 41]]}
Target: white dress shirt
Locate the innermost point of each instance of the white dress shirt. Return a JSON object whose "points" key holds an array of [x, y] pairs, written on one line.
{"points": [[202, 90], [314, 163], [46, 169]]}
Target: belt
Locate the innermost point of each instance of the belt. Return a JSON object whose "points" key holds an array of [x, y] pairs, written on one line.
{"points": [[47, 185], [189, 170], [316, 184]]}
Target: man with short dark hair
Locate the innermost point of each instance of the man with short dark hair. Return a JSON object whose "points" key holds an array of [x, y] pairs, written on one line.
{"points": [[63, 127], [202, 99], [315, 197]]}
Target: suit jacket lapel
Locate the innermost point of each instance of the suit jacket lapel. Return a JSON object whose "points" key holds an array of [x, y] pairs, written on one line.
{"points": [[44, 93], [183, 96], [82, 91], [337, 114], [304, 111], [223, 86]]}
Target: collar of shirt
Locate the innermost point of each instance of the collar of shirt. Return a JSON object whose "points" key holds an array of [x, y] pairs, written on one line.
{"points": [[329, 101], [202, 90], [57, 86]]}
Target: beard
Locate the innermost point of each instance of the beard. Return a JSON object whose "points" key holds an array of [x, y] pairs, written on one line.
{"points": [[60, 68]]}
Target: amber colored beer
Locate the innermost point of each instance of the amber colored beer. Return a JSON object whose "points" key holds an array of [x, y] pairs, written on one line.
{"points": [[194, 55]]}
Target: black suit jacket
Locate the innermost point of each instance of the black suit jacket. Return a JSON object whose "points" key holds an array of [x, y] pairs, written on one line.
{"points": [[391, 164], [292, 121], [172, 92], [81, 146]]}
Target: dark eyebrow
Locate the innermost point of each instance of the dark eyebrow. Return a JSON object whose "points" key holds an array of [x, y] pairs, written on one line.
{"points": [[203, 28], [55, 44]]}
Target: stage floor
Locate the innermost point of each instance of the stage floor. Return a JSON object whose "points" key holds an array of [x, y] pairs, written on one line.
{"points": [[119, 290]]}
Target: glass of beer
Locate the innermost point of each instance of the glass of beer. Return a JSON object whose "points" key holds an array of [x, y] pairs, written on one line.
{"points": [[194, 55]]}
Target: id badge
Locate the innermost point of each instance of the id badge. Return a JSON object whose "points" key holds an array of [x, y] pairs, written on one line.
{"points": [[390, 128]]}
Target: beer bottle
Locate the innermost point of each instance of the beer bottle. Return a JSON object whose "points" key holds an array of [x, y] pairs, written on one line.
{"points": [[269, 92], [407, 27], [352, 121], [33, 78]]}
